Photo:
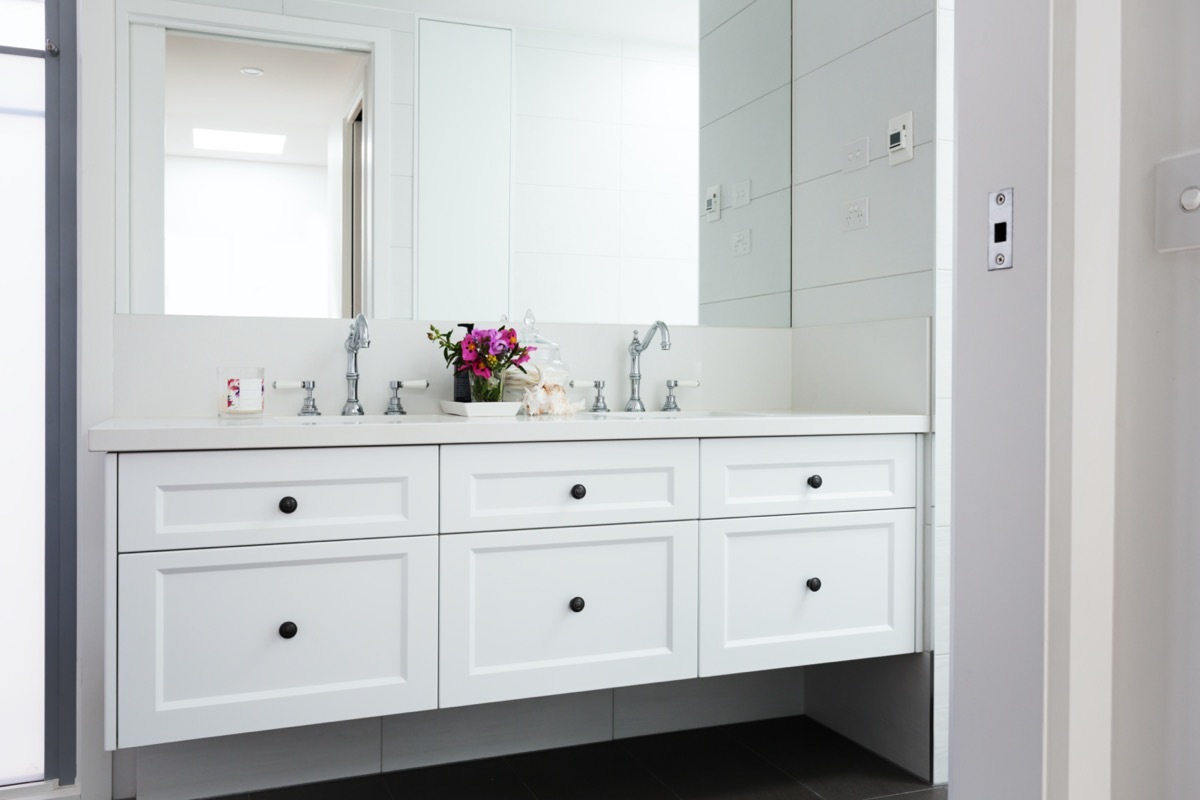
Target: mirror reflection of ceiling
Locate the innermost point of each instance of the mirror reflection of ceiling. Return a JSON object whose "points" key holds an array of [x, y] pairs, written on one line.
{"points": [[294, 95]]}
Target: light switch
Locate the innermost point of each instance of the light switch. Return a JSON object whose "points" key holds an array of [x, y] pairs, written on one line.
{"points": [[856, 155], [1177, 203], [741, 194]]}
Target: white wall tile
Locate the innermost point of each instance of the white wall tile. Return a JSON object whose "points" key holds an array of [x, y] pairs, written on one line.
{"points": [[941, 717], [944, 199], [945, 73], [659, 93], [823, 31], [670, 54], [943, 335], [659, 160], [941, 461], [724, 276], [856, 95], [658, 225], [898, 240], [567, 85], [568, 41], [940, 578], [729, 77], [402, 139], [550, 219], [580, 288], [717, 12], [862, 301], [657, 288], [351, 13], [402, 211], [767, 311], [703, 702], [866, 367], [404, 67], [228, 764], [567, 152], [393, 288], [752, 143], [494, 729]]}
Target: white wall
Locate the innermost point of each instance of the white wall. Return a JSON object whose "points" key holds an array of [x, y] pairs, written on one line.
{"points": [[604, 165]]}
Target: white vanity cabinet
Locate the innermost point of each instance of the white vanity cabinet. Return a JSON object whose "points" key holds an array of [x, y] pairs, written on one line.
{"points": [[267, 589], [252, 589], [783, 586]]}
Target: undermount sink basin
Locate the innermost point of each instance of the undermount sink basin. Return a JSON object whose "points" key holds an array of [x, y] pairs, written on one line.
{"points": [[338, 419], [656, 415]]}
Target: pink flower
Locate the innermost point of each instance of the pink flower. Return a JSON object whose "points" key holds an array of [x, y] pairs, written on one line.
{"points": [[470, 347], [481, 370]]}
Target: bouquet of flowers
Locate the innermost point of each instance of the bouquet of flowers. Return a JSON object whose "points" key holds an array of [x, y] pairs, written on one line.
{"points": [[485, 355]]}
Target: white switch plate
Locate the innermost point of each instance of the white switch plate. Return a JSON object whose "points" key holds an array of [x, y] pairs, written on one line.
{"points": [[741, 243], [856, 155], [712, 203], [1176, 228], [857, 214], [900, 138], [741, 194]]}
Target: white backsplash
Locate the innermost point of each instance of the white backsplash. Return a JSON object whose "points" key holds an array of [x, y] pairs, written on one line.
{"points": [[167, 366]]}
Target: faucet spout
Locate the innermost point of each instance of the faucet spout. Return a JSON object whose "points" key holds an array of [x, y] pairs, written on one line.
{"points": [[636, 348], [360, 337]]}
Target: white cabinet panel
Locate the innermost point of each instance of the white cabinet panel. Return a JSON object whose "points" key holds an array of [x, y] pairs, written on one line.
{"points": [[212, 499], [231, 640], [760, 607], [531, 613], [804, 474], [488, 487]]}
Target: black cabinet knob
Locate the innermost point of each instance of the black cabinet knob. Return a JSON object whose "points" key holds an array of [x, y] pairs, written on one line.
{"points": [[578, 491], [815, 481], [577, 604], [288, 629], [813, 584], [288, 504]]}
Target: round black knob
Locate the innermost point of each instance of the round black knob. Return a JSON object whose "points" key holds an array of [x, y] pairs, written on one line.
{"points": [[813, 584], [577, 604], [578, 491], [288, 629], [815, 481], [288, 504]]}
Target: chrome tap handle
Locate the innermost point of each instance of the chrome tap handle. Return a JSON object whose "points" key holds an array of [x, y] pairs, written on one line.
{"points": [[599, 406], [672, 385], [394, 406], [309, 407]]}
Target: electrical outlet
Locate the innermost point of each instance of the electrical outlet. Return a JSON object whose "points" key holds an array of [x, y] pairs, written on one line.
{"points": [[857, 214], [741, 194], [856, 155], [741, 243]]}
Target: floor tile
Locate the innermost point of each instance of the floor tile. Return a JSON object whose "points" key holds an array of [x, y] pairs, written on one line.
{"points": [[933, 793], [367, 787], [831, 766], [709, 764], [600, 771], [486, 779]]}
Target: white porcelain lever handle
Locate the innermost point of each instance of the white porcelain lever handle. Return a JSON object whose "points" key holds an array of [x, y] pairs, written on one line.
{"points": [[287, 384], [414, 384], [583, 383], [687, 384]]}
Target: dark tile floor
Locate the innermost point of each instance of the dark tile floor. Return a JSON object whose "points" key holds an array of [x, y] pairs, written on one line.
{"points": [[792, 758]]}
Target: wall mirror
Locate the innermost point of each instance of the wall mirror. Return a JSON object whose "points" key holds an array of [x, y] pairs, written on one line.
{"points": [[574, 188]]}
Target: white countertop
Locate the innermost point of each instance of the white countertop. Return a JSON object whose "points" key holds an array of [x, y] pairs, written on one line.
{"points": [[132, 435]]}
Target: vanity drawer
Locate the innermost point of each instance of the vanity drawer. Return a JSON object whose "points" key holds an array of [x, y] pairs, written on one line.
{"points": [[490, 487], [201, 648], [759, 611], [508, 629], [806, 474], [170, 501]]}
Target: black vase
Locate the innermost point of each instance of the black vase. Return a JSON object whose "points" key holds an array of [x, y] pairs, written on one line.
{"points": [[462, 387]]}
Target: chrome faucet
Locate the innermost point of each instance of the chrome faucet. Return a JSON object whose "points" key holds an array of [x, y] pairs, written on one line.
{"points": [[359, 338], [635, 363]]}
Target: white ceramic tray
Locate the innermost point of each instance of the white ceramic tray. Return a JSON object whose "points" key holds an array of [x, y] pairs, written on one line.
{"points": [[480, 409]]}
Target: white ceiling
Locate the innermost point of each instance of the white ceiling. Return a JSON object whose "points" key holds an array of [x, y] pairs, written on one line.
{"points": [[301, 94]]}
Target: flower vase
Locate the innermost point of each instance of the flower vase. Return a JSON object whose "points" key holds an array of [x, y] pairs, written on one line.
{"points": [[487, 390]]}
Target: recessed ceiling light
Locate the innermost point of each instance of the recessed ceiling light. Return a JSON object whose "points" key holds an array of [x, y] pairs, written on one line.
{"points": [[238, 141], [253, 72]]}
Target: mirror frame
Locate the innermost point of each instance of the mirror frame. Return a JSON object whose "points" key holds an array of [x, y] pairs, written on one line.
{"points": [[138, 196]]}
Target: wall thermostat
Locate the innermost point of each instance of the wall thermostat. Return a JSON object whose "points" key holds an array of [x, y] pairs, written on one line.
{"points": [[900, 138], [712, 203]]}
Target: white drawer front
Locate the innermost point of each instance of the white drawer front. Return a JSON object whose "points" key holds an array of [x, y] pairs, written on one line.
{"points": [[757, 610], [508, 629], [213, 499], [491, 487], [771, 476], [201, 648]]}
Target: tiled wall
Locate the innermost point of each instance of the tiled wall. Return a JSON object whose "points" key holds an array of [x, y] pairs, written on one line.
{"points": [[745, 136], [604, 166]]}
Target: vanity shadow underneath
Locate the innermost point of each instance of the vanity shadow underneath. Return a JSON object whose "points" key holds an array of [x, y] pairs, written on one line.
{"points": [[777, 759]]}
